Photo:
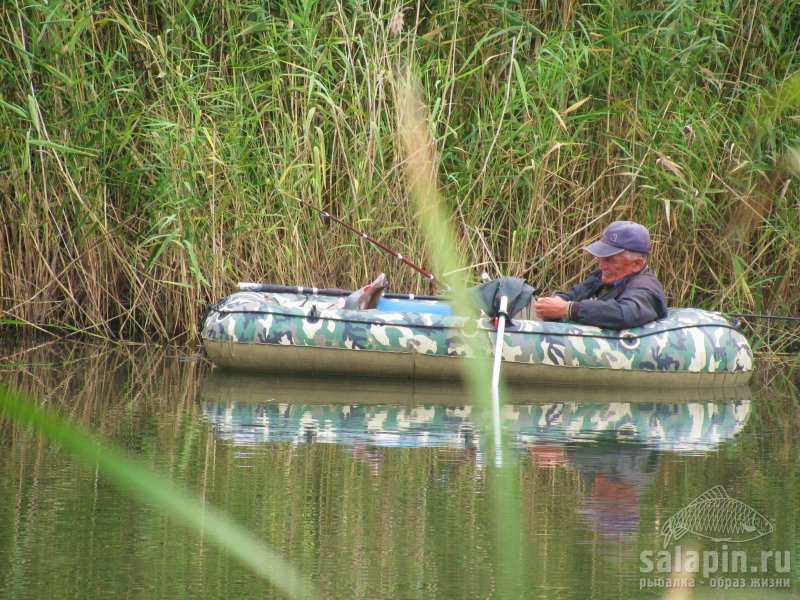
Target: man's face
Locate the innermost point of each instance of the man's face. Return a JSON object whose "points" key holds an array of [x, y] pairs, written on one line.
{"points": [[618, 266]]}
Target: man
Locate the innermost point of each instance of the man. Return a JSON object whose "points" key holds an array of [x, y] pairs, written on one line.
{"points": [[621, 292]]}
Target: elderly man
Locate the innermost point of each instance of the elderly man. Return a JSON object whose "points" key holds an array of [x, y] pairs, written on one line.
{"points": [[621, 292]]}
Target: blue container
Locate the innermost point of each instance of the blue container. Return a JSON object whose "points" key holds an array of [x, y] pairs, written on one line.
{"points": [[414, 306]]}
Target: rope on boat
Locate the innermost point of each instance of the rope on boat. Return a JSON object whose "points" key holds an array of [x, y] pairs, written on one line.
{"points": [[624, 338]]}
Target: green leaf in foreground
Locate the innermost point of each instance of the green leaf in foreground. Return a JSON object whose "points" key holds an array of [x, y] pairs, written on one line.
{"points": [[432, 216], [159, 492]]}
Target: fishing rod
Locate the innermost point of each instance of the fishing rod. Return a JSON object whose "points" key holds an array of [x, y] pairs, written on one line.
{"points": [[757, 316], [326, 215]]}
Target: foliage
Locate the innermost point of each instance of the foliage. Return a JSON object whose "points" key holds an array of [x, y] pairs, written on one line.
{"points": [[147, 144]]}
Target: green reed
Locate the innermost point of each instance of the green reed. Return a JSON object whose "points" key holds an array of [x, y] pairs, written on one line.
{"points": [[146, 144], [434, 221]]}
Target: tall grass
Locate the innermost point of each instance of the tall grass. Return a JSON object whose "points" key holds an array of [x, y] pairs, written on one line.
{"points": [[146, 143]]}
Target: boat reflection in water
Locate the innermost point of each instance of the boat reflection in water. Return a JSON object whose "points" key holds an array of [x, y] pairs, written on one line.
{"points": [[613, 439], [249, 409]]}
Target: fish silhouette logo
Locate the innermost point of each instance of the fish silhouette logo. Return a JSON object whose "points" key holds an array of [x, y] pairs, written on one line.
{"points": [[718, 517]]}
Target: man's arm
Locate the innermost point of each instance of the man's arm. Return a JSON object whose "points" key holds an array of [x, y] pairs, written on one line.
{"points": [[583, 289], [634, 307], [640, 301], [557, 306]]}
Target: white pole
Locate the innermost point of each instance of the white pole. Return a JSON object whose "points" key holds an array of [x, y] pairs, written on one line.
{"points": [[498, 355]]}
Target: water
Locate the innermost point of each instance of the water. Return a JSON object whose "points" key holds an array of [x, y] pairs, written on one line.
{"points": [[380, 490]]}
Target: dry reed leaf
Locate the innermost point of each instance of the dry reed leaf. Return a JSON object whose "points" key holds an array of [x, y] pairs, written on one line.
{"points": [[669, 165], [558, 118], [711, 77], [575, 106], [552, 149], [790, 161], [435, 32]]}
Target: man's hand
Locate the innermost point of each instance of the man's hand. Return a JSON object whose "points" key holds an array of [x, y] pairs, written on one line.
{"points": [[552, 307]]}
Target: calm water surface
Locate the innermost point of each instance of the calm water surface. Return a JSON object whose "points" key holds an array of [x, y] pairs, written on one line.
{"points": [[383, 490]]}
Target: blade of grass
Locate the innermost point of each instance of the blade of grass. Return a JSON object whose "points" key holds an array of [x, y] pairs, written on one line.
{"points": [[420, 170]]}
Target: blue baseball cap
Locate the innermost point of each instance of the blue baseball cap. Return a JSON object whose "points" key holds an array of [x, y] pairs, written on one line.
{"points": [[619, 236]]}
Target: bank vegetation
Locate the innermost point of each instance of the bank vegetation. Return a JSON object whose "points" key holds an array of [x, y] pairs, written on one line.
{"points": [[151, 150]]}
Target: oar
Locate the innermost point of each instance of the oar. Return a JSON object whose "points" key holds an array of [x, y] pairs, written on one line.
{"points": [[498, 355], [298, 289]]}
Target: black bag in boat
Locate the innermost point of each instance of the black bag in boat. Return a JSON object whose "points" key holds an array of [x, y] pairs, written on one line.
{"points": [[486, 296]]}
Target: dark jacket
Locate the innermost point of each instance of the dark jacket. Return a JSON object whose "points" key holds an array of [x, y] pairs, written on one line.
{"points": [[636, 300]]}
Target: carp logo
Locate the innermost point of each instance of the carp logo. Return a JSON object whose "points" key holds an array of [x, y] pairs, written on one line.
{"points": [[718, 517]]}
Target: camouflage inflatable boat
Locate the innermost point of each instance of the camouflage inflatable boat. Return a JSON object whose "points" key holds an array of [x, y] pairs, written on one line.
{"points": [[316, 333]]}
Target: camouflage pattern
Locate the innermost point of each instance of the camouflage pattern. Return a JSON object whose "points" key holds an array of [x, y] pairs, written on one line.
{"points": [[688, 340], [676, 427]]}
